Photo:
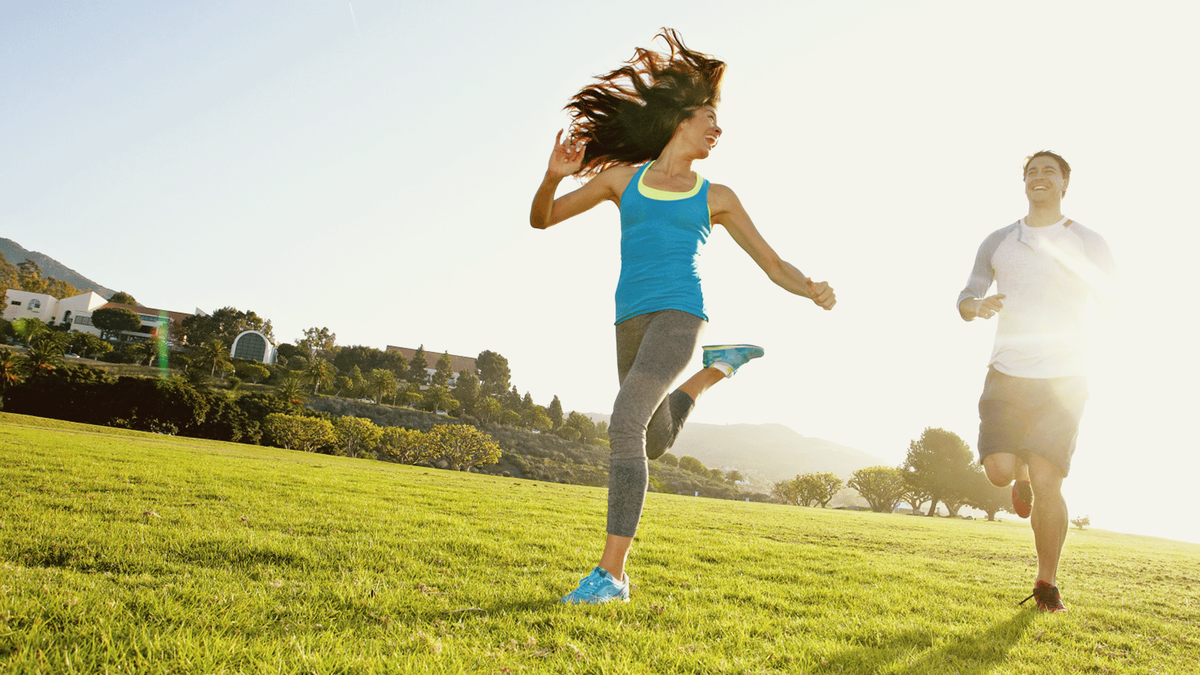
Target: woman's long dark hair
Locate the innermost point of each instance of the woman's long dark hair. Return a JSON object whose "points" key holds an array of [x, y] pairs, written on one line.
{"points": [[629, 115]]}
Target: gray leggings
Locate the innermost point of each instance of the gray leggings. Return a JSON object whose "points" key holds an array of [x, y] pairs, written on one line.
{"points": [[653, 350]]}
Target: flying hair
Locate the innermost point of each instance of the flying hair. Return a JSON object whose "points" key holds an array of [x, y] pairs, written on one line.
{"points": [[627, 116]]}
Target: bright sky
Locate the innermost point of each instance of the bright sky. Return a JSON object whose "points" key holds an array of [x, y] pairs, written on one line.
{"points": [[368, 166]]}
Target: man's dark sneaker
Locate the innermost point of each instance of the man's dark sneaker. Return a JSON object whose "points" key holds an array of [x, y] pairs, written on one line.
{"points": [[1022, 498], [1048, 599]]}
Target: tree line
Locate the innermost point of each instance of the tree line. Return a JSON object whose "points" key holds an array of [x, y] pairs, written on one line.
{"points": [[88, 395], [292, 419], [938, 469], [27, 276], [314, 363]]}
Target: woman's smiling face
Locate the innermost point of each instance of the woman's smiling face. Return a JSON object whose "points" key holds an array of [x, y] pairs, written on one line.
{"points": [[701, 129]]}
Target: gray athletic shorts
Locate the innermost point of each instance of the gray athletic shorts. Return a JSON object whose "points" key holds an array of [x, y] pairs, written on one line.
{"points": [[1024, 416]]}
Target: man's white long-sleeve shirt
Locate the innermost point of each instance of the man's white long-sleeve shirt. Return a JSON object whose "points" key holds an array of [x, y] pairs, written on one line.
{"points": [[1045, 274]]}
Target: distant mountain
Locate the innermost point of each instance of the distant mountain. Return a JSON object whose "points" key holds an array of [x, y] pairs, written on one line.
{"points": [[15, 254], [766, 452]]}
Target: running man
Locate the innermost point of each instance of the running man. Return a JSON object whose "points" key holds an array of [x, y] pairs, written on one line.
{"points": [[1044, 266], [635, 133]]}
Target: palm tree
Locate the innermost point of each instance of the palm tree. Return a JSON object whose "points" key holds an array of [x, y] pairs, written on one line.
{"points": [[380, 382], [319, 372], [438, 398], [143, 351], [289, 390], [44, 354], [10, 375], [28, 329], [214, 354]]}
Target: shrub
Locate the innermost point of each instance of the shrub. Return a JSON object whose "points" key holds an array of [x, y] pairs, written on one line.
{"points": [[294, 432], [354, 435], [405, 446], [462, 446], [251, 371]]}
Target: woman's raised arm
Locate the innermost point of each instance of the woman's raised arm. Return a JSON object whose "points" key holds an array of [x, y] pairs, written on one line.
{"points": [[565, 160], [727, 210]]}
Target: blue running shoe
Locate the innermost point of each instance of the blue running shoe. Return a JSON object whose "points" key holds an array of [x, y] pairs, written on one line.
{"points": [[728, 358], [598, 587]]}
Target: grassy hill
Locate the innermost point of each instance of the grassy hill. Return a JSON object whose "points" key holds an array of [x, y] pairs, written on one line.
{"points": [[124, 551]]}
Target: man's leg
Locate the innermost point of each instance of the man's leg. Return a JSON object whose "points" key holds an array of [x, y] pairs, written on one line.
{"points": [[1003, 425], [1002, 467], [1049, 519]]}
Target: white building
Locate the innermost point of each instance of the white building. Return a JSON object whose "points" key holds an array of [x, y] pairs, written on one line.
{"points": [[253, 346], [49, 309], [77, 311]]}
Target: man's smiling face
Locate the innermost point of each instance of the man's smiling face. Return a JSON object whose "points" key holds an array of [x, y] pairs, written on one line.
{"points": [[1044, 180]]}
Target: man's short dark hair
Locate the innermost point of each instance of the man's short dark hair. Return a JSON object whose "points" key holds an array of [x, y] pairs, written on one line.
{"points": [[1062, 163]]}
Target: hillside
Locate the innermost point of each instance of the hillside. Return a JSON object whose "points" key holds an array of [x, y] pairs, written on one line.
{"points": [[769, 451], [765, 452], [542, 457], [15, 253]]}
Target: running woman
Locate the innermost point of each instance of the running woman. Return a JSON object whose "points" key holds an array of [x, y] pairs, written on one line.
{"points": [[634, 135]]}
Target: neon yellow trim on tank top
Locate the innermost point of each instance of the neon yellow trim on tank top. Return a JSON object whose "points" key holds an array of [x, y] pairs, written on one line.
{"points": [[664, 195]]}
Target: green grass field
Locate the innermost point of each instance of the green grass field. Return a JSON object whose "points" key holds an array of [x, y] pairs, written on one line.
{"points": [[137, 553]]}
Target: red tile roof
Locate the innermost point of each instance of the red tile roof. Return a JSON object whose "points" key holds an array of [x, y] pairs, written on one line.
{"points": [[175, 318], [457, 363], [146, 311]]}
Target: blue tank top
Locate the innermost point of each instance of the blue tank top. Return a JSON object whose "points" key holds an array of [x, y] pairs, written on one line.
{"points": [[661, 237]]}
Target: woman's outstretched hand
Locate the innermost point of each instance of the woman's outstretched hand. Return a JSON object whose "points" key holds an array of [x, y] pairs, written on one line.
{"points": [[821, 293], [567, 157]]}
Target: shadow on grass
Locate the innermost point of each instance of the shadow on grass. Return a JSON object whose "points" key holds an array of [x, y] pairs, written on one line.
{"points": [[912, 652], [84, 558], [230, 554], [523, 606]]}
